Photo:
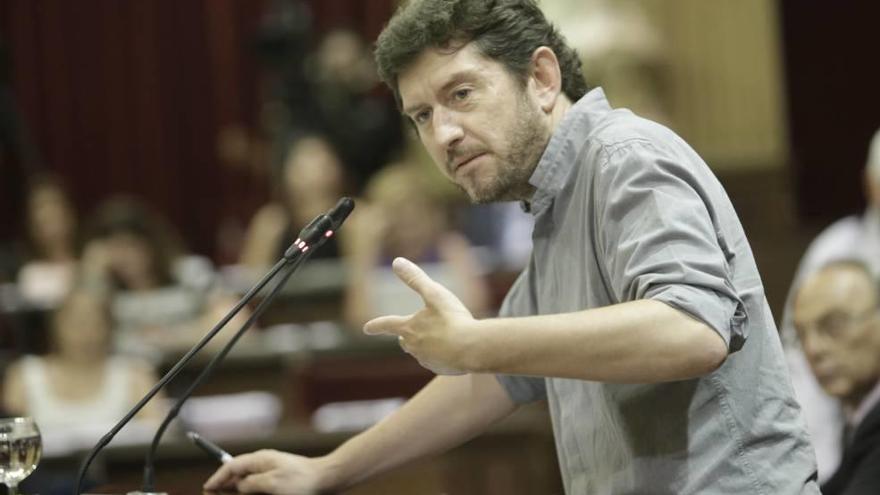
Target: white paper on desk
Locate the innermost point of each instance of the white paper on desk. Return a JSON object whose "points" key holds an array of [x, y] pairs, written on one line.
{"points": [[230, 416], [354, 415]]}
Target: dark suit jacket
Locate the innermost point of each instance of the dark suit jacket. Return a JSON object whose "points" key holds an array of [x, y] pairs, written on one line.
{"points": [[859, 471]]}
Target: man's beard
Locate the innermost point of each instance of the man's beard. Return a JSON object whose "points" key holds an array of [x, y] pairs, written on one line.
{"points": [[525, 145]]}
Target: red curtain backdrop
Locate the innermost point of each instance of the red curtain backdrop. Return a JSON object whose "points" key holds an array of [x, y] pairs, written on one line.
{"points": [[130, 95]]}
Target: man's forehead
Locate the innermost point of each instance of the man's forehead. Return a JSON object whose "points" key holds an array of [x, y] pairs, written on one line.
{"points": [[835, 288], [435, 66]]}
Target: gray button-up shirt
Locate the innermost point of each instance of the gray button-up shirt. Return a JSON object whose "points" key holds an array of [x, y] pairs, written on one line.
{"points": [[626, 210]]}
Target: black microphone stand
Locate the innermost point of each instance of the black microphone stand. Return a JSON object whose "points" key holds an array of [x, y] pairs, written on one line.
{"points": [[313, 234], [149, 463]]}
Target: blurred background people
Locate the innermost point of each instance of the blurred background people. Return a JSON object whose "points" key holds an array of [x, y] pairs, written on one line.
{"points": [[309, 181], [355, 110], [81, 382], [80, 388], [857, 237], [404, 215], [157, 291], [836, 312], [51, 249], [316, 78]]}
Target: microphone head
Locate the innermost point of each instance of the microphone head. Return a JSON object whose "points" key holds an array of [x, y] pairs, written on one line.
{"points": [[341, 211]]}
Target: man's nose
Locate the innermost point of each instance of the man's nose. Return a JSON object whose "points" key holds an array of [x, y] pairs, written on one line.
{"points": [[447, 127], [814, 345]]}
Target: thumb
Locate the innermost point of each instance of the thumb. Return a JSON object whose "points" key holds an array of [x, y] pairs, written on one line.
{"points": [[415, 278], [388, 325]]}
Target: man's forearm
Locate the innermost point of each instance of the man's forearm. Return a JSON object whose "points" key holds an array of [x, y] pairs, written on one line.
{"points": [[447, 412], [636, 342]]}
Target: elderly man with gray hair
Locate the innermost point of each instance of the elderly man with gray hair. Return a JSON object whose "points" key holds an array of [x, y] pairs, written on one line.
{"points": [[852, 237], [836, 312]]}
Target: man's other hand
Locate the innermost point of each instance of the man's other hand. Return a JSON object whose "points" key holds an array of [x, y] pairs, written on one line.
{"points": [[273, 472]]}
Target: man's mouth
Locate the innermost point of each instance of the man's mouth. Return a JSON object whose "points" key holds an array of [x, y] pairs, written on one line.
{"points": [[825, 373], [465, 161]]}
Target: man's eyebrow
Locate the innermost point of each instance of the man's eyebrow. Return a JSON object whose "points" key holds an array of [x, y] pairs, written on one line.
{"points": [[412, 109], [823, 315], [455, 78]]}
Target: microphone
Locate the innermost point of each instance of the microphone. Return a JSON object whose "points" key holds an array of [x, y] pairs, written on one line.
{"points": [[320, 229], [311, 237], [341, 211]]}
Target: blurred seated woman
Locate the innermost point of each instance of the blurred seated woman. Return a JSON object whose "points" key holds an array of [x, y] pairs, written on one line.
{"points": [[310, 181], [51, 248], [78, 390], [158, 294], [404, 215]]}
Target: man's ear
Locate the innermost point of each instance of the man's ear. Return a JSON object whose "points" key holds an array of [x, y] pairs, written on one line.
{"points": [[546, 77]]}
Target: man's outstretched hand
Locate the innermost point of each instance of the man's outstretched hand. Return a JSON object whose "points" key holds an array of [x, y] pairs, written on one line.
{"points": [[440, 334]]}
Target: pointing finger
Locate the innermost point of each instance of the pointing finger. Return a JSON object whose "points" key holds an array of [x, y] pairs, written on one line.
{"points": [[415, 278]]}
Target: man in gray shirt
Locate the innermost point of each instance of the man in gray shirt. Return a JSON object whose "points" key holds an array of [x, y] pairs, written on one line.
{"points": [[641, 317]]}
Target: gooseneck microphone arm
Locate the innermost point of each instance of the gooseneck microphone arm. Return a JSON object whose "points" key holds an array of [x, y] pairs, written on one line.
{"points": [[316, 232], [149, 463], [326, 226]]}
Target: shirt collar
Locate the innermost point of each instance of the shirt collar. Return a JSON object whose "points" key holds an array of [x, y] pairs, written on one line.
{"points": [[566, 142]]}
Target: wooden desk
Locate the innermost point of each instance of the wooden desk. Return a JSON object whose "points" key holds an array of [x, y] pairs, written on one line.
{"points": [[516, 457]]}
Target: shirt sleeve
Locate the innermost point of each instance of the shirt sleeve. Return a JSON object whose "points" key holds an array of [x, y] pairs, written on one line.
{"points": [[521, 389], [659, 234]]}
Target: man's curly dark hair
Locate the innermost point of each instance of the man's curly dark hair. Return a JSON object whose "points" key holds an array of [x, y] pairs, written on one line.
{"points": [[508, 31]]}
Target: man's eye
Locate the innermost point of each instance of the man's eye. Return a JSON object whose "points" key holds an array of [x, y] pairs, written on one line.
{"points": [[462, 94], [422, 117]]}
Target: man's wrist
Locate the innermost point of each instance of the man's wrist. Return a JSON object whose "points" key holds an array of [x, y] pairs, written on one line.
{"points": [[332, 475], [475, 355]]}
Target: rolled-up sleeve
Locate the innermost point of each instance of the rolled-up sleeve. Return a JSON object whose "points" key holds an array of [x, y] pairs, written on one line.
{"points": [[521, 389], [657, 228]]}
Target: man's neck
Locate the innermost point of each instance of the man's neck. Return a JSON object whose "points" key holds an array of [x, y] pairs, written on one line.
{"points": [[859, 405], [563, 105], [557, 114]]}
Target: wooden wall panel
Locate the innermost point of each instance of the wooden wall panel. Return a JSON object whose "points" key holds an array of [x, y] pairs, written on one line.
{"points": [[725, 86]]}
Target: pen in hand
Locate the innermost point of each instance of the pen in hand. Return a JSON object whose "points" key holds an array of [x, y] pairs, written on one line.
{"points": [[209, 447]]}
